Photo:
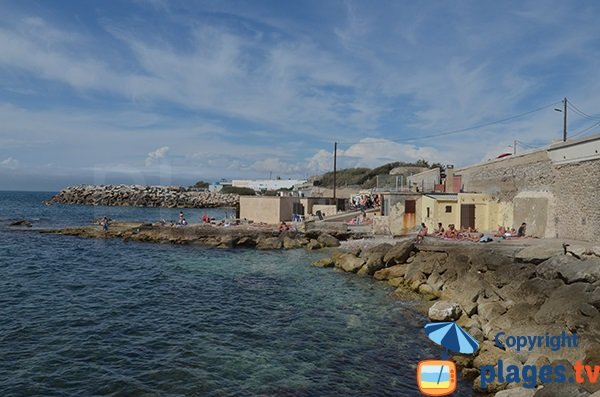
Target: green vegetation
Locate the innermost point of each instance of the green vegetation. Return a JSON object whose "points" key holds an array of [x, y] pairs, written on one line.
{"points": [[242, 191], [364, 177], [201, 185]]}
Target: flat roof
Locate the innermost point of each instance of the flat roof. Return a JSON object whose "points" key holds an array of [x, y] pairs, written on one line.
{"points": [[443, 196]]}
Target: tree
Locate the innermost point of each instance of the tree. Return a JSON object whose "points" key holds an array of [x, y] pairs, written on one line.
{"points": [[201, 185]]}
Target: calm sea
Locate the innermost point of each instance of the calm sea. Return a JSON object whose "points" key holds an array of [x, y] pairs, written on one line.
{"points": [[81, 317]]}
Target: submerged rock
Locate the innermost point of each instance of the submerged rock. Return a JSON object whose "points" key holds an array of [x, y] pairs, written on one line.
{"points": [[22, 222]]}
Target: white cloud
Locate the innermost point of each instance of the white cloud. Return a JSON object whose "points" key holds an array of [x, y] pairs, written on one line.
{"points": [[372, 152], [156, 156], [9, 163]]}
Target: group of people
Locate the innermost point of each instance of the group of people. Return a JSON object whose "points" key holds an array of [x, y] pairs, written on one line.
{"points": [[364, 201], [468, 233], [504, 232]]}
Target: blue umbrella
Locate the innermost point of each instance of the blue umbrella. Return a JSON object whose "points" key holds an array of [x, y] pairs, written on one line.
{"points": [[452, 337]]}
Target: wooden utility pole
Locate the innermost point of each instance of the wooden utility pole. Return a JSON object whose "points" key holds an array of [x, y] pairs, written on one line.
{"points": [[334, 167], [514, 147]]}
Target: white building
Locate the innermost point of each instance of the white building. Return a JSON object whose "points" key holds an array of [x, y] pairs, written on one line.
{"points": [[267, 184]]}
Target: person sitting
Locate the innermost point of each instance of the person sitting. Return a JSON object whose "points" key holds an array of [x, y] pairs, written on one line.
{"points": [[283, 227], [522, 230], [439, 231], [500, 232], [451, 232], [422, 233]]}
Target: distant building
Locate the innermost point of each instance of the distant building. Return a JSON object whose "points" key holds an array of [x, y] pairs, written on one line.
{"points": [[267, 184]]}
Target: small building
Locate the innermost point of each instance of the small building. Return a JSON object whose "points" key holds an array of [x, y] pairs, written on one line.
{"points": [[275, 209]]}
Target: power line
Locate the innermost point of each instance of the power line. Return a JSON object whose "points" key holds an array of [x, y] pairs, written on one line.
{"points": [[580, 112], [585, 129], [452, 132]]}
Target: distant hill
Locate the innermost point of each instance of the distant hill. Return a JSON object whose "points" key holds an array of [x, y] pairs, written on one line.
{"points": [[366, 178]]}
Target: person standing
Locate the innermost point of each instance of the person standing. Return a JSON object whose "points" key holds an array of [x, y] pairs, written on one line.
{"points": [[522, 230]]}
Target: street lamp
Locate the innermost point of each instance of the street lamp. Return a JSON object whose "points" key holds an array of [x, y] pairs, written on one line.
{"points": [[564, 112]]}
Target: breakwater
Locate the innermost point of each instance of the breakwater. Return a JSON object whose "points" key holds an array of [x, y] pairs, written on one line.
{"points": [[537, 290], [143, 196]]}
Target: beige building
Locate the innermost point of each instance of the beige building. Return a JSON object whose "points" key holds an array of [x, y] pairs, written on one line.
{"points": [[275, 209]]}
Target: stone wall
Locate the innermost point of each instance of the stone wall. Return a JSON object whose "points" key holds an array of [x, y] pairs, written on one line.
{"points": [[555, 200], [577, 193]]}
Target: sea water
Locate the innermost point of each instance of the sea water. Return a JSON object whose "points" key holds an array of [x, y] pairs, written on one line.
{"points": [[83, 317]]}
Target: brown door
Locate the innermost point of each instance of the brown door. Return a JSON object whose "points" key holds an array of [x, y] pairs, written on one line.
{"points": [[410, 206], [467, 216]]}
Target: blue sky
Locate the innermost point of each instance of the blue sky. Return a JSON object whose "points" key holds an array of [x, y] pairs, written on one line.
{"points": [[169, 92]]}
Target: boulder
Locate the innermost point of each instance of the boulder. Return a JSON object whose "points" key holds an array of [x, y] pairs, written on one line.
{"points": [[349, 263], [269, 243], [313, 245], [399, 253], [444, 311], [293, 243], [327, 240], [570, 269], [325, 262], [390, 272], [538, 253], [570, 305], [489, 311]]}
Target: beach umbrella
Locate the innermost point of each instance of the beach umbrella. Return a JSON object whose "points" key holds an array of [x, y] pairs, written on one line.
{"points": [[452, 337]]}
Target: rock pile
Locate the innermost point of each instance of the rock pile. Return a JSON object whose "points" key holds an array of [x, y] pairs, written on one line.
{"points": [[531, 291], [143, 196]]}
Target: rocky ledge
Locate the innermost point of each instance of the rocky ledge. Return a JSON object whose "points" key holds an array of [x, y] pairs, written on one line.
{"points": [[487, 288], [248, 236], [143, 196]]}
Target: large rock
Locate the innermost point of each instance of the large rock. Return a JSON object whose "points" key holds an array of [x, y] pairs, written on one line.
{"points": [[293, 243], [269, 243], [444, 311], [327, 240], [570, 269], [388, 273], [538, 253], [399, 253], [349, 263], [325, 262], [570, 305]]}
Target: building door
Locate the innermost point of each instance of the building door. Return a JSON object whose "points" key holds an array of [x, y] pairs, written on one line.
{"points": [[410, 206], [467, 216]]}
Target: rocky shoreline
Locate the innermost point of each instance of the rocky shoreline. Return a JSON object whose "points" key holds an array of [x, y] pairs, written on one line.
{"points": [[143, 196], [261, 237], [488, 288]]}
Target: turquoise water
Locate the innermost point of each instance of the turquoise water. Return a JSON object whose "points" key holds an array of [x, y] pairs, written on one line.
{"points": [[81, 317]]}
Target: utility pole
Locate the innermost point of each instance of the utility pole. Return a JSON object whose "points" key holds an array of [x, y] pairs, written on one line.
{"points": [[565, 121], [514, 147], [334, 167]]}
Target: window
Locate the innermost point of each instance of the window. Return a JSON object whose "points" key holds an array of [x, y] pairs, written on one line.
{"points": [[448, 208], [428, 213]]}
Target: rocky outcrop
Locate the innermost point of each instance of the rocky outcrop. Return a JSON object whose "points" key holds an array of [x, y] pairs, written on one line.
{"points": [[487, 289], [245, 236], [143, 196]]}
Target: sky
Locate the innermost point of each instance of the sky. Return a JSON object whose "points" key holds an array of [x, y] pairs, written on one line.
{"points": [[173, 92]]}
